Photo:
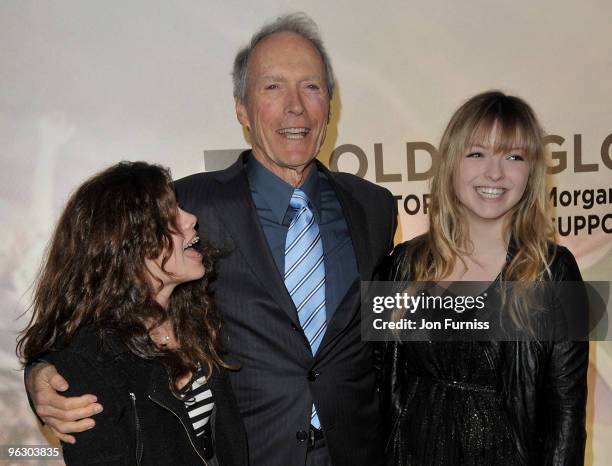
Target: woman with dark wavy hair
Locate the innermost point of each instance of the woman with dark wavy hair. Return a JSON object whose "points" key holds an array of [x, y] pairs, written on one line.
{"points": [[488, 402], [121, 308]]}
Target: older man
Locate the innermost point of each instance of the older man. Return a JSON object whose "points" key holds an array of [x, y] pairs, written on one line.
{"points": [[299, 240]]}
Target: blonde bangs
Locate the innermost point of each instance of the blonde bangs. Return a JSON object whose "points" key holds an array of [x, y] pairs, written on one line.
{"points": [[505, 130]]}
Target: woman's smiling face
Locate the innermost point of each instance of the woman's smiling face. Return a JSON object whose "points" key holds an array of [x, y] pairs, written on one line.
{"points": [[488, 182], [183, 264]]}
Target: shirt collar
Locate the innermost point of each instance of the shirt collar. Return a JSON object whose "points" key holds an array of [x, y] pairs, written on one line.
{"points": [[277, 193]]}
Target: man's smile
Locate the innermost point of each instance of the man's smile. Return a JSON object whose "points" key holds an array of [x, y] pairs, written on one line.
{"points": [[294, 133]]}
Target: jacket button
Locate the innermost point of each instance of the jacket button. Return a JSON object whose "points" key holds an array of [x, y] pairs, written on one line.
{"points": [[312, 375], [301, 436], [295, 327]]}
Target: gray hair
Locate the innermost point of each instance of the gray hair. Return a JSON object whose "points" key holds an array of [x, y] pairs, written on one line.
{"points": [[298, 23]]}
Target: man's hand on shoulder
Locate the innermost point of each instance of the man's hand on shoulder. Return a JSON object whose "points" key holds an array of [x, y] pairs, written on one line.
{"points": [[64, 415]]}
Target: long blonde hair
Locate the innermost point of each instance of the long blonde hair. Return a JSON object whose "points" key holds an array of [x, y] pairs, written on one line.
{"points": [[529, 224]]}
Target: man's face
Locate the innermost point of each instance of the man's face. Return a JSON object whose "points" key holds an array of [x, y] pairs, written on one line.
{"points": [[286, 109]]}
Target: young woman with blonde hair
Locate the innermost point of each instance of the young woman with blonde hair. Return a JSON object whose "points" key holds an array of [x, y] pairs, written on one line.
{"points": [[487, 402]]}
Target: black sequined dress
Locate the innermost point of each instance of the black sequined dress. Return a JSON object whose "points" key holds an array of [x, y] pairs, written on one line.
{"points": [[453, 413]]}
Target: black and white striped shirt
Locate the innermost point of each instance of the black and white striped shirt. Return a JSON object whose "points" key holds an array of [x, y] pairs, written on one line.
{"points": [[199, 403]]}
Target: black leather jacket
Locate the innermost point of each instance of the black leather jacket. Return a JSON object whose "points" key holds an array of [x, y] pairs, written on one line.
{"points": [[142, 423], [543, 384]]}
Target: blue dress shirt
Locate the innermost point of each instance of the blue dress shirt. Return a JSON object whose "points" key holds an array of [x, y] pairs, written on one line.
{"points": [[271, 196]]}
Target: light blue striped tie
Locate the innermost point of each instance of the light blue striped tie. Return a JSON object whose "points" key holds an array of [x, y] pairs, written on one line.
{"points": [[305, 274]]}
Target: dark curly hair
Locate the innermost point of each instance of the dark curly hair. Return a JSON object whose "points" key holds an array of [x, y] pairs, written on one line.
{"points": [[94, 274]]}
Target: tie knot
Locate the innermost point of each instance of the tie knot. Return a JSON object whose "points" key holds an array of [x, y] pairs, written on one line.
{"points": [[299, 199]]}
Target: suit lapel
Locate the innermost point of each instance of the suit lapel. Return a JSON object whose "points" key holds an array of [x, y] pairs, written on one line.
{"points": [[356, 221], [236, 210]]}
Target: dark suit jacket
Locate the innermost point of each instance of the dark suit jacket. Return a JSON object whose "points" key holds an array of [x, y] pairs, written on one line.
{"points": [[279, 377]]}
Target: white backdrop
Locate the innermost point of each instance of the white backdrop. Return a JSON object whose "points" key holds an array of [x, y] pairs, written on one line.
{"points": [[84, 84]]}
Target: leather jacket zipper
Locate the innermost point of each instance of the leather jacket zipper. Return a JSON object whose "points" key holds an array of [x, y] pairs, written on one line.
{"points": [[139, 445], [184, 427]]}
